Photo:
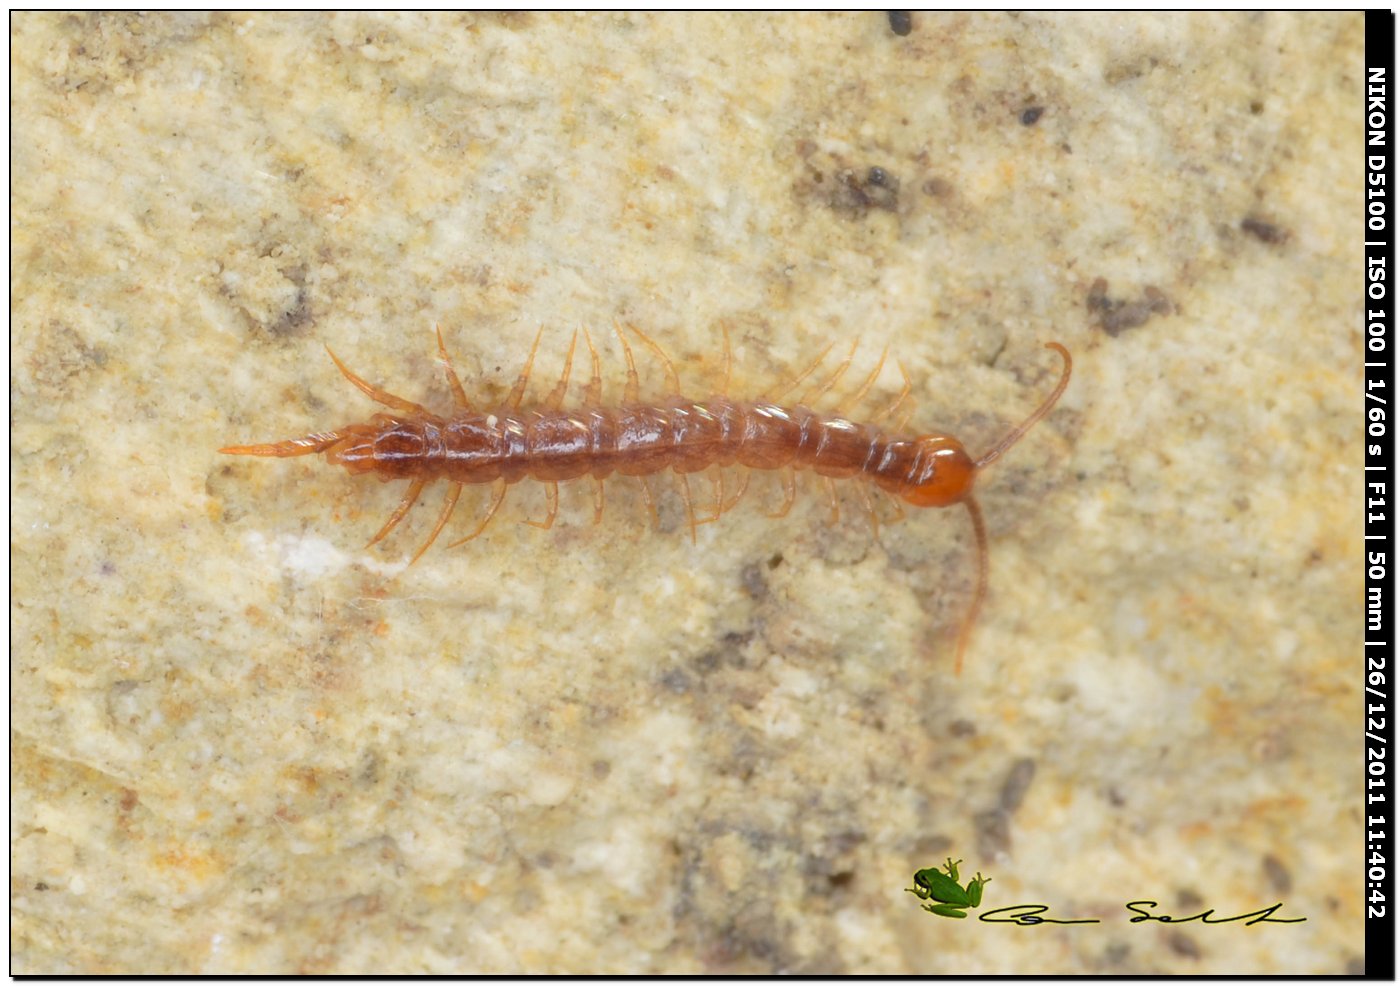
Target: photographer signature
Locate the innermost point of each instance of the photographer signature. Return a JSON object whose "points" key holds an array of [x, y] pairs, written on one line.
{"points": [[943, 895], [1031, 914]]}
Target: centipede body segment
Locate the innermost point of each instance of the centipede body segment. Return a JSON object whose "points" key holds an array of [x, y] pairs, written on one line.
{"points": [[551, 444]]}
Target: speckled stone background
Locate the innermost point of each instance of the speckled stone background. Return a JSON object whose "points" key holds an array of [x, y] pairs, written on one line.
{"points": [[244, 743]]}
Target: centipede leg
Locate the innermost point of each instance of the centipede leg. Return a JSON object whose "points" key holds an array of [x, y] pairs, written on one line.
{"points": [[869, 504], [789, 493], [597, 501], [555, 400], [673, 383], [459, 396], [832, 499], [517, 393], [551, 492], [376, 394], [593, 393], [683, 487], [415, 490], [500, 495], [854, 398], [728, 362], [898, 507], [833, 380], [743, 488], [903, 394], [651, 503], [633, 388], [717, 485], [792, 385], [449, 505]]}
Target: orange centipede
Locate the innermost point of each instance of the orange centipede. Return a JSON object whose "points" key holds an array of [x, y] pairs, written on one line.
{"points": [[551, 444]]}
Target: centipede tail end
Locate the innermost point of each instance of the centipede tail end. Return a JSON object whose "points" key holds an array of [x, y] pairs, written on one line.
{"points": [[307, 445]]}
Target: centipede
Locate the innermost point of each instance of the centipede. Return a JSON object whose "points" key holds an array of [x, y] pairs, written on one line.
{"points": [[550, 443]]}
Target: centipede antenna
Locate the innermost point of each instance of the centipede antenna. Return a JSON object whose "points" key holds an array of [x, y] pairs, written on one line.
{"points": [[979, 530], [415, 490], [375, 393], [1040, 412], [308, 445]]}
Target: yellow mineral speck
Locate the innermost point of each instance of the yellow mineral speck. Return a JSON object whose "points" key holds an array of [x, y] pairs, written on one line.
{"points": [[196, 864]]}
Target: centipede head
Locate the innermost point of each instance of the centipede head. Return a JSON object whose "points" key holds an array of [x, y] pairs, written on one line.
{"points": [[941, 474]]}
